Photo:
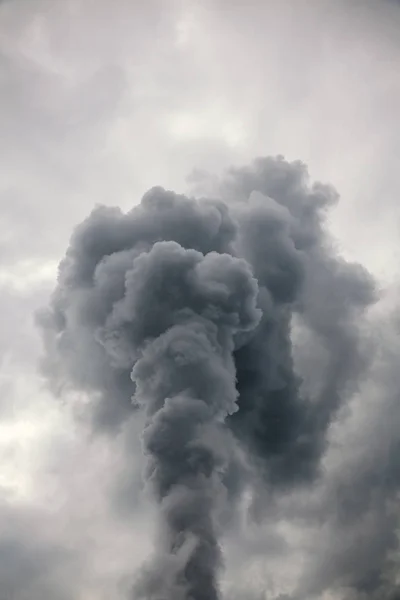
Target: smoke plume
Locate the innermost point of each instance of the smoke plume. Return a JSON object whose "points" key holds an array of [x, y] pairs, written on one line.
{"points": [[186, 310]]}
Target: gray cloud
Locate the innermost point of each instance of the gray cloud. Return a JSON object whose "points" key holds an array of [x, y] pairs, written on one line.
{"points": [[294, 261], [136, 316], [30, 567], [358, 551], [98, 103], [186, 375]]}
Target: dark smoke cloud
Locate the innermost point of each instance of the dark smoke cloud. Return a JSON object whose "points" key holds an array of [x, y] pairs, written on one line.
{"points": [[358, 552], [299, 274], [172, 312], [159, 305], [180, 311], [91, 280]]}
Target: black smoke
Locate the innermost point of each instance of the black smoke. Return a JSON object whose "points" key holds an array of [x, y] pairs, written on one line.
{"points": [[187, 309]]}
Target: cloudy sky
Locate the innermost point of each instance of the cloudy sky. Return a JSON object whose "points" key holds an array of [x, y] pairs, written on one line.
{"points": [[99, 101]]}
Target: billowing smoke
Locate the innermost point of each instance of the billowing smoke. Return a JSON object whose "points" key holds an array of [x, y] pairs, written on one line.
{"points": [[299, 274], [187, 310], [177, 320]]}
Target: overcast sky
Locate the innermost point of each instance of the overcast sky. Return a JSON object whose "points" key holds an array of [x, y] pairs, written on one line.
{"points": [[101, 100]]}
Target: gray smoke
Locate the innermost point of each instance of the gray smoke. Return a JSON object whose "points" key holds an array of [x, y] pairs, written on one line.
{"points": [[176, 322], [188, 307], [299, 274], [171, 313], [92, 279]]}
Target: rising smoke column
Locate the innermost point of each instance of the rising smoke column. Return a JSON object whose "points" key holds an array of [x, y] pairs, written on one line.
{"points": [[170, 314], [179, 314], [154, 305]]}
